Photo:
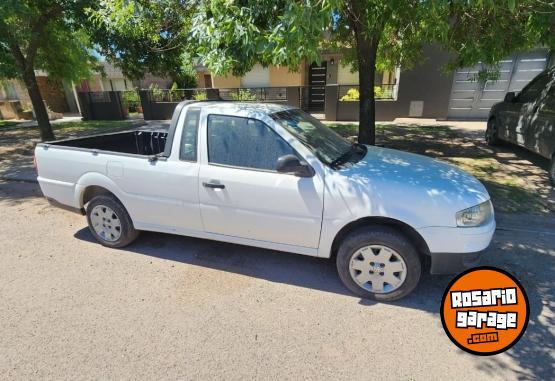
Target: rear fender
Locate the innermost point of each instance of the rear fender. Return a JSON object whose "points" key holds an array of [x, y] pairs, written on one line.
{"points": [[99, 180]]}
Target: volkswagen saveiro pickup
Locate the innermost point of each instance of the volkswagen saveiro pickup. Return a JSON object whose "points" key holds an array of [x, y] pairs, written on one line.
{"points": [[274, 177]]}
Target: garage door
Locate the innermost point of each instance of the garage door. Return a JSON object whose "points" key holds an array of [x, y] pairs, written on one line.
{"points": [[471, 99]]}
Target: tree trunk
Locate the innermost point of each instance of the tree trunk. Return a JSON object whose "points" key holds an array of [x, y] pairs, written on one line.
{"points": [[38, 105], [366, 52]]}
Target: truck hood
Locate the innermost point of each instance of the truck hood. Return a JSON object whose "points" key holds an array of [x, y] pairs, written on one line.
{"points": [[394, 182]]}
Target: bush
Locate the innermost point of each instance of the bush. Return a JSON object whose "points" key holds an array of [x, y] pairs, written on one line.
{"points": [[131, 100], [200, 96], [243, 95], [354, 95], [156, 92], [174, 94], [130, 96]]}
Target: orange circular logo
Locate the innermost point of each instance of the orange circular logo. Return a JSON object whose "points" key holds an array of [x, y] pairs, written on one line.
{"points": [[485, 311]]}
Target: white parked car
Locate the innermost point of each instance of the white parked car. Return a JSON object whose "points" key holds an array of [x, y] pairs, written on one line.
{"points": [[274, 177]]}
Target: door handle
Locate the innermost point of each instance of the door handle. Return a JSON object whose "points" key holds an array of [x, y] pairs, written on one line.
{"points": [[213, 185]]}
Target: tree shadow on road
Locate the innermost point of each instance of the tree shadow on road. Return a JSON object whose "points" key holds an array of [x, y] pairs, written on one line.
{"points": [[532, 353], [274, 266], [15, 193]]}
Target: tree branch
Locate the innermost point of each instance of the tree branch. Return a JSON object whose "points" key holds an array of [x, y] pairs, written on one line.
{"points": [[36, 31]]}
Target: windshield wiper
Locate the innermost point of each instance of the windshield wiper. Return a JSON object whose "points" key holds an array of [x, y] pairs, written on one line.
{"points": [[346, 155]]}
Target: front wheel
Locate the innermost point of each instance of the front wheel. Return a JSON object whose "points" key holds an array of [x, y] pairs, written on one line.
{"points": [[109, 222], [552, 170], [378, 263], [492, 133]]}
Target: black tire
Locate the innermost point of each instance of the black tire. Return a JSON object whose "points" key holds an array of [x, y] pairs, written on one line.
{"points": [[128, 234], [384, 236], [492, 133], [552, 170]]}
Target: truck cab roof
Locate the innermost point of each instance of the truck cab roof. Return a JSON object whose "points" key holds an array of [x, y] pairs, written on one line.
{"points": [[269, 108]]}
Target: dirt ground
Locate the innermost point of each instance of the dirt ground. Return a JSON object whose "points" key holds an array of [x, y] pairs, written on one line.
{"points": [[18, 143], [170, 307]]}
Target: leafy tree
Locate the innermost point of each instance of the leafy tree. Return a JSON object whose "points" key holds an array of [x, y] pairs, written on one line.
{"points": [[43, 34], [233, 35], [185, 75], [145, 36]]}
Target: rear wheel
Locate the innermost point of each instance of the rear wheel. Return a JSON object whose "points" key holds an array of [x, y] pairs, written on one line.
{"points": [[378, 263], [109, 222], [492, 133]]}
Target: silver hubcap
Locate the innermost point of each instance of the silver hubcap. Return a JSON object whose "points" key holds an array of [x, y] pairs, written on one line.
{"points": [[378, 269], [106, 223]]}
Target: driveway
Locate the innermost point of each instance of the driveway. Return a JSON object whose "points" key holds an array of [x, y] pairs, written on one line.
{"points": [[171, 307]]}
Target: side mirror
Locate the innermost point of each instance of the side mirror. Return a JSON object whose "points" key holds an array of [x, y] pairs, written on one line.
{"points": [[292, 165], [510, 97]]}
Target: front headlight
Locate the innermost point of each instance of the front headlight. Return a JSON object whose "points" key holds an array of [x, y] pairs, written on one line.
{"points": [[475, 215]]}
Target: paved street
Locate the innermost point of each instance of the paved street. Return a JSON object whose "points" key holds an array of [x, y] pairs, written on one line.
{"points": [[172, 307]]}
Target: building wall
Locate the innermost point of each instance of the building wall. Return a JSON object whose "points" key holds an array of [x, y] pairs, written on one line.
{"points": [[281, 76], [116, 84], [258, 76], [272, 76], [149, 79], [425, 86], [92, 84], [201, 83], [53, 94], [23, 94], [345, 76], [422, 92], [226, 81]]}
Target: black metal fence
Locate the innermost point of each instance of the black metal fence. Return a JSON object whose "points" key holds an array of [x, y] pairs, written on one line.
{"points": [[102, 105], [254, 94], [339, 102], [342, 101], [178, 95], [159, 104]]}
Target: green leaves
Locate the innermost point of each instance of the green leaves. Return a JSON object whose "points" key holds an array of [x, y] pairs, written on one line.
{"points": [[43, 34], [232, 36]]}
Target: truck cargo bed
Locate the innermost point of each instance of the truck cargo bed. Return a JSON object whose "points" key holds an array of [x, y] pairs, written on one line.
{"points": [[131, 142]]}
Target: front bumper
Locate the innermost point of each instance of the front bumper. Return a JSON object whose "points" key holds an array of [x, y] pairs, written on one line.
{"points": [[453, 249], [452, 263]]}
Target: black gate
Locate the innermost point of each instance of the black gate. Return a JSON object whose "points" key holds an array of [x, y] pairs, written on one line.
{"points": [[317, 75], [101, 105]]}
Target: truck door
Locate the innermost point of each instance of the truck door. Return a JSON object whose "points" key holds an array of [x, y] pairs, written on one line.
{"points": [[242, 195], [163, 194], [529, 99], [540, 134]]}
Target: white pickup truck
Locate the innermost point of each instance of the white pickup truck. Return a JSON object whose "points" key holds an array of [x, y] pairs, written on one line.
{"points": [[272, 176]]}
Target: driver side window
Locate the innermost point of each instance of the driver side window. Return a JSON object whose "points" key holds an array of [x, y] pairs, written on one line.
{"points": [[244, 142], [534, 89]]}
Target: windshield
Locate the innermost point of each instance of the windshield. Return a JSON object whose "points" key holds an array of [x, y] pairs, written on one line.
{"points": [[324, 143]]}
